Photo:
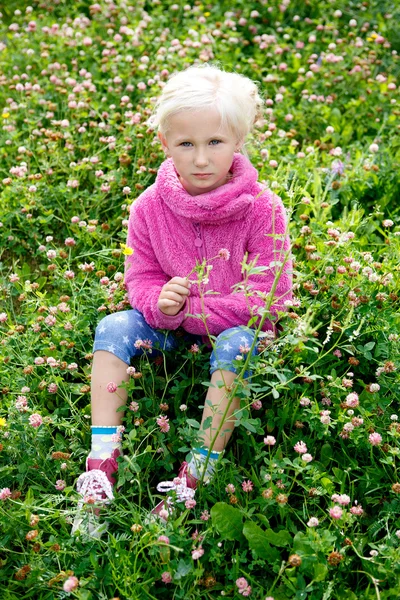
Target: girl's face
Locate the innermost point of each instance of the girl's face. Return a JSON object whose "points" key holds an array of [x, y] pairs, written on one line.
{"points": [[201, 149]]}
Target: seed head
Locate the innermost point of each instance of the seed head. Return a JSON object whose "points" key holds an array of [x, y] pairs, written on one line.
{"points": [[335, 558], [281, 498], [294, 560]]}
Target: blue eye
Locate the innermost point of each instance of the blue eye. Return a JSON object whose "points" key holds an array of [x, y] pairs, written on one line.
{"points": [[212, 142]]}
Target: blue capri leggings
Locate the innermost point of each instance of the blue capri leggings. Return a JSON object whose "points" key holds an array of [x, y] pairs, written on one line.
{"points": [[121, 334]]}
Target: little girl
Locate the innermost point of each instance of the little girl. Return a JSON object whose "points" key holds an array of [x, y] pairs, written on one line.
{"points": [[205, 202]]}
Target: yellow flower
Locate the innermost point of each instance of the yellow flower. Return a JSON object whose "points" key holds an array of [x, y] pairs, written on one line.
{"points": [[126, 250], [5, 115], [372, 37], [207, 14], [3, 422]]}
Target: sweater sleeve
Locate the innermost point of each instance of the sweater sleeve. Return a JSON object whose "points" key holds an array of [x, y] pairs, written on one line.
{"points": [[144, 277], [269, 246]]}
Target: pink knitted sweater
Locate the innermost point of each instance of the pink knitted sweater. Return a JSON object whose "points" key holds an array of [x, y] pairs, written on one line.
{"points": [[169, 230]]}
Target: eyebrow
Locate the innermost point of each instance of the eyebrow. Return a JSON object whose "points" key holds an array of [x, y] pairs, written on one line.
{"points": [[187, 138]]}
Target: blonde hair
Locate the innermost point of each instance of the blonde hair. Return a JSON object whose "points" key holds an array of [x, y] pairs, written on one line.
{"points": [[235, 96]]}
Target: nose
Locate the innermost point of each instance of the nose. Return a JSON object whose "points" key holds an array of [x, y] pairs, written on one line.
{"points": [[201, 159]]}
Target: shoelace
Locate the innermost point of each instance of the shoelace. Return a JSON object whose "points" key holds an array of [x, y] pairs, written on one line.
{"points": [[94, 485], [179, 486]]}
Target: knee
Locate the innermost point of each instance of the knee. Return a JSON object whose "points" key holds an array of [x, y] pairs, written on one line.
{"points": [[117, 323], [229, 334], [106, 326], [231, 344], [235, 337], [234, 341]]}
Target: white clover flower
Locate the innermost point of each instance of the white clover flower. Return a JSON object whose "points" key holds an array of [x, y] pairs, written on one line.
{"points": [[306, 457], [305, 401]]}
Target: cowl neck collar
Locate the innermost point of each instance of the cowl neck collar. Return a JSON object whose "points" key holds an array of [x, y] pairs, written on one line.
{"points": [[229, 202]]}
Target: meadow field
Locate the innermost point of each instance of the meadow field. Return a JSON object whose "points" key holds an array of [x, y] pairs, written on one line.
{"points": [[306, 502]]}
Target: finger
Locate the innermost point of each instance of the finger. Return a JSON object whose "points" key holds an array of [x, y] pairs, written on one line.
{"points": [[180, 281], [165, 303], [178, 289], [172, 296]]}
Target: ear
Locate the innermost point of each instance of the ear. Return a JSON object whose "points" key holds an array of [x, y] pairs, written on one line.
{"points": [[239, 144], [163, 141]]}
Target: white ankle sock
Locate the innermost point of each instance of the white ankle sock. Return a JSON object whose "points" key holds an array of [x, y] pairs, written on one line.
{"points": [[104, 441], [197, 462]]}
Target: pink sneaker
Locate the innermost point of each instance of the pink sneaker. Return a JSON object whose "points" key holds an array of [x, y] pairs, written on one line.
{"points": [[95, 486], [191, 481], [108, 466], [184, 487]]}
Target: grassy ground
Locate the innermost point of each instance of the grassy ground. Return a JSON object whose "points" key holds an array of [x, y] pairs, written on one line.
{"points": [[78, 82]]}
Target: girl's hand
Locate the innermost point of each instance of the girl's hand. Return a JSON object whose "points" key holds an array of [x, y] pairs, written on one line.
{"points": [[173, 296]]}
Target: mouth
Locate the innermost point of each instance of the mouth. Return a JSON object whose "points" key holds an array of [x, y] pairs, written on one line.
{"points": [[202, 175]]}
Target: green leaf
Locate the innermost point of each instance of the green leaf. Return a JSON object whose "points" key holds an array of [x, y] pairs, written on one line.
{"points": [[327, 484], [252, 321], [317, 186], [339, 474], [29, 498], [303, 545], [83, 594], [184, 449], [347, 594], [257, 270], [263, 519], [207, 384], [347, 132], [207, 423], [258, 541], [369, 346], [183, 569], [227, 520], [193, 423], [327, 539], [320, 572], [281, 538], [326, 454], [249, 426]]}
